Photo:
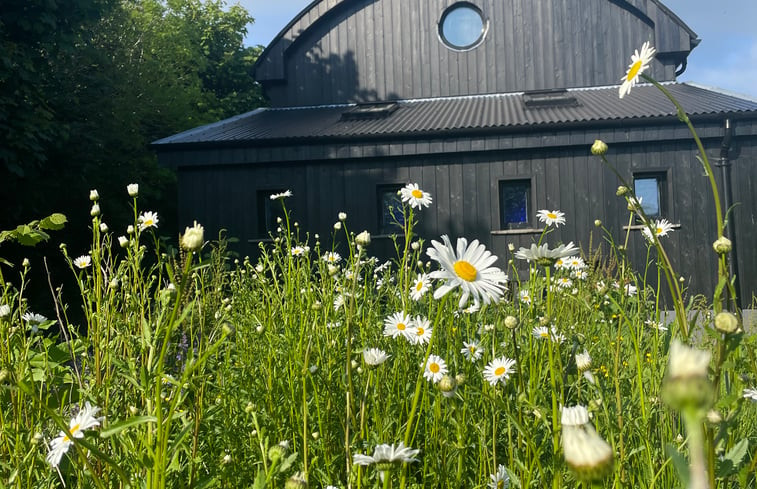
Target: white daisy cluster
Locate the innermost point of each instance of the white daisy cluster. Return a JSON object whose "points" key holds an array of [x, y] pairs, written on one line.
{"points": [[416, 331]]}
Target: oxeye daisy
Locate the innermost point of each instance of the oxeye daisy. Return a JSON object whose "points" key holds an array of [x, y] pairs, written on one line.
{"points": [[564, 282], [420, 286], [435, 368], [541, 332], [148, 219], [575, 263], [525, 296], [471, 351], [281, 195], [468, 267], [397, 324], [750, 394], [639, 64], [543, 256], [500, 479], [420, 332], [83, 261], [499, 370], [299, 250], [661, 227], [385, 456], [414, 196], [374, 357], [84, 420], [551, 217], [332, 257]]}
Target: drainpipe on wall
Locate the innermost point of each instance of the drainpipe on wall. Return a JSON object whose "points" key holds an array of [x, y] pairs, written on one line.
{"points": [[724, 163]]}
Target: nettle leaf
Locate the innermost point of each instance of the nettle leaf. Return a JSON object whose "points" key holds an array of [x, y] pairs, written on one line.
{"points": [[54, 222], [730, 463]]}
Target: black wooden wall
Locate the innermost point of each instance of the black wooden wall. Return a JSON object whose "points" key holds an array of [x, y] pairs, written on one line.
{"points": [[367, 50]]}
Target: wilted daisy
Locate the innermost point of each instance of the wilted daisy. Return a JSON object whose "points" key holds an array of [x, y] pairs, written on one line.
{"points": [[551, 217], [499, 370], [586, 453], [661, 228], [543, 256], [468, 267], [750, 394], [332, 257], [420, 286], [397, 324], [385, 456], [148, 219], [299, 250], [500, 479], [83, 261], [435, 368], [281, 195], [414, 196], [420, 332], [471, 351], [84, 420], [639, 64], [374, 356]]}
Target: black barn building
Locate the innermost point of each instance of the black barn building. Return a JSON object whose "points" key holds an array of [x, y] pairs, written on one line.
{"points": [[490, 105]]}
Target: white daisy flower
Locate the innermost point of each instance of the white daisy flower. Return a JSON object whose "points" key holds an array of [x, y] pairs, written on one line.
{"points": [[468, 267], [541, 332], [397, 325], [579, 274], [84, 420], [750, 394], [639, 64], [374, 356], [420, 286], [583, 361], [561, 263], [661, 228], [471, 351], [564, 282], [83, 261], [420, 332], [332, 257], [33, 318], [385, 455], [500, 479], [630, 289], [414, 196], [148, 219], [656, 324], [551, 217], [281, 195], [575, 263], [542, 255], [434, 369], [499, 370], [525, 296], [299, 250]]}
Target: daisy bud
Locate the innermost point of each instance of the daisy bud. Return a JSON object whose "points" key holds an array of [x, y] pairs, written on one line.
{"points": [[511, 322], [227, 329], [363, 239], [586, 453], [342, 216], [103, 227], [123, 242], [26, 263], [133, 189], [276, 452], [333, 270], [250, 407], [5, 311], [725, 322], [226, 459], [510, 247], [93, 195], [37, 438], [315, 435], [622, 190], [94, 211], [448, 386], [193, 237], [297, 481], [722, 245], [415, 245], [714, 417], [337, 226], [130, 229], [353, 364], [599, 148], [686, 383], [583, 361], [4, 375], [316, 306], [460, 379], [597, 223], [133, 410]]}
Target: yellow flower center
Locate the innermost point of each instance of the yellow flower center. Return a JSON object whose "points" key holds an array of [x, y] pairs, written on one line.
{"points": [[465, 270], [634, 70], [659, 230], [420, 331], [73, 432], [434, 367], [148, 222], [417, 193], [419, 286], [401, 326], [472, 349], [544, 334], [499, 371], [551, 215]]}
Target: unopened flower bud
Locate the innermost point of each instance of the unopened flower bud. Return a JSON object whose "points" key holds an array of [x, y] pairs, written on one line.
{"points": [[722, 245], [597, 223], [93, 195], [725, 322], [133, 189], [598, 148], [123, 242], [363, 239], [337, 226], [686, 383], [415, 245], [297, 481], [342, 216], [193, 237], [622, 190], [448, 386], [511, 322]]}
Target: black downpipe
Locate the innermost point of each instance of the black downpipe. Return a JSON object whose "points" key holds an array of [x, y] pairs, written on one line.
{"points": [[724, 163]]}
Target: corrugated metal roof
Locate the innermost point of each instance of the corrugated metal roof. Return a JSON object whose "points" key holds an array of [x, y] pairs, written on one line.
{"points": [[475, 112]]}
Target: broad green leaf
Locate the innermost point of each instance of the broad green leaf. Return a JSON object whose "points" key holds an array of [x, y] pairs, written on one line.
{"points": [[53, 222]]}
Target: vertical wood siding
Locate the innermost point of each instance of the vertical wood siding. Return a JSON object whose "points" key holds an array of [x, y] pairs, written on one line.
{"points": [[370, 50]]}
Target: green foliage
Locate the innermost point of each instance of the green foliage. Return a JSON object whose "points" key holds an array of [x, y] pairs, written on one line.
{"points": [[34, 232]]}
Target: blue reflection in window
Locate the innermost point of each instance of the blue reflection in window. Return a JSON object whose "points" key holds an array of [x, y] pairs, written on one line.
{"points": [[648, 189], [462, 26], [514, 198]]}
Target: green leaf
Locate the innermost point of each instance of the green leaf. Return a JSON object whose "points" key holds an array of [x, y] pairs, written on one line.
{"points": [[53, 222], [733, 459], [118, 427], [680, 463]]}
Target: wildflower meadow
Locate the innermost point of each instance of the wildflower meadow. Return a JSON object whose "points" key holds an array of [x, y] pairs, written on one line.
{"points": [[317, 364]]}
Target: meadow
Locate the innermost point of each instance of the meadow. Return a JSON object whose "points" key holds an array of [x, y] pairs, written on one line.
{"points": [[325, 367]]}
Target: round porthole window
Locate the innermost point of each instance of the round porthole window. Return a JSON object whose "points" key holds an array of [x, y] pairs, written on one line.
{"points": [[462, 26]]}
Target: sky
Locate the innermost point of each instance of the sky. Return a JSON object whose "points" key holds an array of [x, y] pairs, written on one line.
{"points": [[726, 58]]}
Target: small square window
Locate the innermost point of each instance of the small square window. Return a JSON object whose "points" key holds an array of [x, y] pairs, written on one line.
{"points": [[515, 204], [390, 217], [268, 211], [651, 189]]}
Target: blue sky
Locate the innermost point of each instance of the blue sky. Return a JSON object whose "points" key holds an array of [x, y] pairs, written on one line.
{"points": [[726, 58]]}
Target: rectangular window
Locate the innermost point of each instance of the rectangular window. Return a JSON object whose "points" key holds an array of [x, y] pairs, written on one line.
{"points": [[389, 205], [515, 204], [651, 188], [268, 211]]}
